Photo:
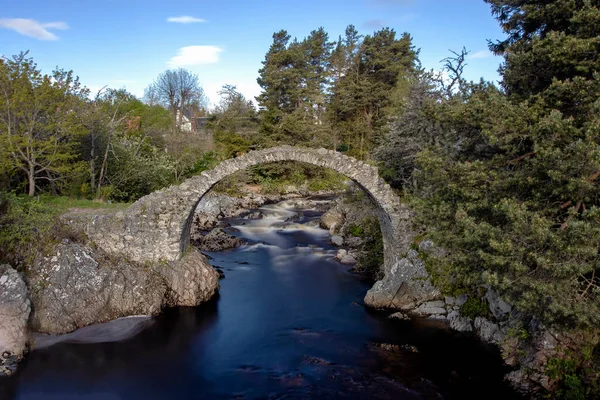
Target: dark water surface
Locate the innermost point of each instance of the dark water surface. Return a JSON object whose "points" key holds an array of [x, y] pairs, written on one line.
{"points": [[288, 324]]}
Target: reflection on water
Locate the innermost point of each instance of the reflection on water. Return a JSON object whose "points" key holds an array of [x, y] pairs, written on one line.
{"points": [[288, 323]]}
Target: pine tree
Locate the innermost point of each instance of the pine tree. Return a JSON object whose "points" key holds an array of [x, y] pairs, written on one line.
{"points": [[362, 94], [521, 212]]}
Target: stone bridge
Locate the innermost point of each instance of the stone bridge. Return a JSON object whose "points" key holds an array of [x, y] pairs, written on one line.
{"points": [[156, 228]]}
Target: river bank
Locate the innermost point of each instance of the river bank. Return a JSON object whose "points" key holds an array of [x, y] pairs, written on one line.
{"points": [[289, 321], [350, 226]]}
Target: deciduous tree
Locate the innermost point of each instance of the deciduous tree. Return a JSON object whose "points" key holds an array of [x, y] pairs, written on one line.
{"points": [[39, 127]]}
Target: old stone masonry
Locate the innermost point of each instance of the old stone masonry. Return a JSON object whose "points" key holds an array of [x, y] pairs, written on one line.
{"points": [[157, 227]]}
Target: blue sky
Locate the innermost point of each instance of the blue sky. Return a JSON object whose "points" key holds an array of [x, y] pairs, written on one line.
{"points": [[127, 43]]}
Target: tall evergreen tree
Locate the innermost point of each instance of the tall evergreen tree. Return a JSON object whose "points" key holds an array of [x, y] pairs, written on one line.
{"points": [[362, 94], [522, 213]]}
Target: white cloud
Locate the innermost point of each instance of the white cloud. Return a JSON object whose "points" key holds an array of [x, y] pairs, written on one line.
{"points": [[33, 28], [195, 55], [480, 54], [185, 19]]}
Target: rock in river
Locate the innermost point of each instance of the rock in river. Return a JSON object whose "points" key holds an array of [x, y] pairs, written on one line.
{"points": [[218, 240], [76, 286], [14, 313]]}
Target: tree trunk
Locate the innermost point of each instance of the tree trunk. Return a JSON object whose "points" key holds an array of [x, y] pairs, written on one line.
{"points": [[31, 178], [92, 174], [93, 165], [104, 162]]}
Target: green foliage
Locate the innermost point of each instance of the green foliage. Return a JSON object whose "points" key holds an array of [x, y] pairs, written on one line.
{"points": [[506, 181], [232, 185], [519, 210], [570, 383], [60, 204], [376, 69], [371, 259], [356, 230], [206, 161], [39, 126], [231, 144], [326, 94], [29, 225], [134, 174], [235, 113], [274, 177], [475, 307], [574, 371], [24, 224]]}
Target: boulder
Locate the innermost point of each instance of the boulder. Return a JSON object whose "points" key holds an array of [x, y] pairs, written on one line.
{"points": [[450, 301], [460, 323], [203, 222], [190, 281], [14, 314], [499, 308], [215, 206], [337, 240], [399, 315], [393, 291], [488, 331], [460, 300], [315, 223], [294, 218], [354, 242], [431, 308], [332, 219], [341, 253], [218, 240], [76, 286], [348, 259], [254, 215]]}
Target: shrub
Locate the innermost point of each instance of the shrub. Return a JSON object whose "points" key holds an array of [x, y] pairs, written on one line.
{"points": [[24, 227], [475, 307]]}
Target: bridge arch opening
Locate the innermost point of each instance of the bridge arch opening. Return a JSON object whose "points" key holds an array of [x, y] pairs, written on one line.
{"points": [[363, 175]]}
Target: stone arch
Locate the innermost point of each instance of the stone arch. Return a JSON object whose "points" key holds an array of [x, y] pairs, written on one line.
{"points": [[157, 226]]}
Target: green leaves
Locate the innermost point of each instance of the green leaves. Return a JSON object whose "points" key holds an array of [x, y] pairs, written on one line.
{"points": [[509, 184], [39, 128]]}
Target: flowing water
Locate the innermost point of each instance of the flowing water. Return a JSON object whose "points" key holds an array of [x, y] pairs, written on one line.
{"points": [[288, 323]]}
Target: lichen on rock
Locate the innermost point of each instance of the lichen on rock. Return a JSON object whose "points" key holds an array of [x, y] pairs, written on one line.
{"points": [[14, 314]]}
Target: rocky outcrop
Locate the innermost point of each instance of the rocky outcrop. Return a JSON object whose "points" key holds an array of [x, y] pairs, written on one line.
{"points": [[348, 213], [345, 257], [190, 281], [333, 219], [393, 292], [218, 240], [77, 286], [14, 314]]}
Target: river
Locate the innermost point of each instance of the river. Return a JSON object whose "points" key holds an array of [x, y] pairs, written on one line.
{"points": [[288, 323]]}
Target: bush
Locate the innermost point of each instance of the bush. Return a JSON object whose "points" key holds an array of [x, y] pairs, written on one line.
{"points": [[371, 259], [475, 307], [576, 374], [356, 230], [24, 227]]}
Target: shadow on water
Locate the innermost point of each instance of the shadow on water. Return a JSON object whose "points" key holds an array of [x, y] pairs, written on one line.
{"points": [[288, 324]]}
